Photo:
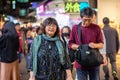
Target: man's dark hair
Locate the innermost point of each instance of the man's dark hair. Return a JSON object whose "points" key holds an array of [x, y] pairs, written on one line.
{"points": [[106, 20], [86, 12], [94, 12]]}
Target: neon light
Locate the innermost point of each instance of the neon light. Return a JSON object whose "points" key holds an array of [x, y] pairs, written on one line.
{"points": [[75, 7], [40, 9], [83, 5]]}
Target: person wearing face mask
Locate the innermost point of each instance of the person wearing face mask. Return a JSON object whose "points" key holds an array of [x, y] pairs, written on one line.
{"points": [[65, 34]]}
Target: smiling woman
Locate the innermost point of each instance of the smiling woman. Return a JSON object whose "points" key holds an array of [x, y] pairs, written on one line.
{"points": [[48, 59], [50, 27], [50, 30]]}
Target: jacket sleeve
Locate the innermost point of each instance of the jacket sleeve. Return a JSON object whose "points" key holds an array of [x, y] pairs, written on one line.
{"points": [[2, 42], [117, 42], [17, 42], [29, 62], [103, 50], [67, 64]]}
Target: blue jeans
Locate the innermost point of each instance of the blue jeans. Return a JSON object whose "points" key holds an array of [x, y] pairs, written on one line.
{"points": [[20, 55], [88, 74]]}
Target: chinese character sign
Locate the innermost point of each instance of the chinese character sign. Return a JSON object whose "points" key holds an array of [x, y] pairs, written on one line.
{"points": [[75, 7], [72, 7]]}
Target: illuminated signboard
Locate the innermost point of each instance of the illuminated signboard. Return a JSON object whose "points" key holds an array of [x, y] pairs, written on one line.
{"points": [[83, 5], [40, 9], [75, 7]]}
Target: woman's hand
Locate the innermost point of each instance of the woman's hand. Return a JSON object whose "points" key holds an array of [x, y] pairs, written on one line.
{"points": [[31, 76], [69, 78], [0, 33], [69, 74]]}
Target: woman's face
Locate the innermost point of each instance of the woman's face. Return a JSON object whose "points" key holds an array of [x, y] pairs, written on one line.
{"points": [[65, 33], [28, 33], [65, 30], [50, 30]]}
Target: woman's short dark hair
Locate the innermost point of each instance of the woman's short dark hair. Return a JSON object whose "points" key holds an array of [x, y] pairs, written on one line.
{"points": [[106, 20], [50, 21], [86, 12]]}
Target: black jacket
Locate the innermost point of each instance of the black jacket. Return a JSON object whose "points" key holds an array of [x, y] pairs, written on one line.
{"points": [[112, 39], [9, 43]]}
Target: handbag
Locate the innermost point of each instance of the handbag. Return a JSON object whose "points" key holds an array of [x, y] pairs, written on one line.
{"points": [[88, 57]]}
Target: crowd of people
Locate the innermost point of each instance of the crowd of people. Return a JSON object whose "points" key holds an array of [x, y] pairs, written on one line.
{"points": [[46, 49]]}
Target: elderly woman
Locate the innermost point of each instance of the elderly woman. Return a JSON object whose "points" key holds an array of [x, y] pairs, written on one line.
{"points": [[48, 59]]}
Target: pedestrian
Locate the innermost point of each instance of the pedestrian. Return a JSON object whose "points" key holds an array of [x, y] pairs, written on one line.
{"points": [[48, 59], [90, 34], [9, 44], [103, 50], [112, 47], [29, 39], [65, 34], [39, 30], [19, 52], [23, 31]]}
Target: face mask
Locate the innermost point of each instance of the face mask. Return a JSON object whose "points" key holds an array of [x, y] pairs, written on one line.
{"points": [[65, 34]]}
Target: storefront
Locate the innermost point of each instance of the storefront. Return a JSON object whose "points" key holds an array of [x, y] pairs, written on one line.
{"points": [[110, 9], [67, 13]]}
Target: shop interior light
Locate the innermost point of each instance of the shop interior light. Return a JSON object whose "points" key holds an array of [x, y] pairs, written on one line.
{"points": [[40, 9], [23, 1], [34, 4]]}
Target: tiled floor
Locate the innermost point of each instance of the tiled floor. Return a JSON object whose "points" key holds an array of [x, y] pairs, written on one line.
{"points": [[23, 72]]}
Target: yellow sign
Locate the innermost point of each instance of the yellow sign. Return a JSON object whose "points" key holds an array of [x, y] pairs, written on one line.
{"points": [[72, 7], [75, 7]]}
